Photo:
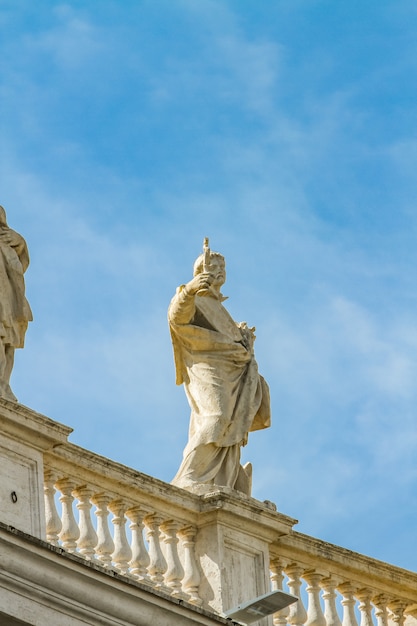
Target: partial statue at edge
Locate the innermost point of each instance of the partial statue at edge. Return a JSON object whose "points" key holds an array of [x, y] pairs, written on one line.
{"points": [[15, 311], [214, 359]]}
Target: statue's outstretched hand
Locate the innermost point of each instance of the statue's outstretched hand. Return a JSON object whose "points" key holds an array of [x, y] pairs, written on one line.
{"points": [[201, 282]]}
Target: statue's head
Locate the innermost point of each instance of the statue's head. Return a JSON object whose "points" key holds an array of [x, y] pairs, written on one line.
{"points": [[3, 220], [215, 258], [217, 267]]}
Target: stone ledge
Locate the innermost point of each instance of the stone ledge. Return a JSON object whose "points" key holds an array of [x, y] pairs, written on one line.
{"points": [[237, 510], [27, 426]]}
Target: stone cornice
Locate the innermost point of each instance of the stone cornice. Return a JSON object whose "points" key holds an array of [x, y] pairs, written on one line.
{"points": [[26, 426], [49, 576]]}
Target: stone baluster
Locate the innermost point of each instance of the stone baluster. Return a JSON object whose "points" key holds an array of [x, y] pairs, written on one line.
{"points": [[365, 607], [157, 566], [87, 540], [191, 580], [174, 572], [69, 531], [277, 579], [329, 596], [297, 614], [140, 557], [53, 521], [381, 611], [122, 553], [105, 545], [396, 613], [348, 603], [315, 616]]}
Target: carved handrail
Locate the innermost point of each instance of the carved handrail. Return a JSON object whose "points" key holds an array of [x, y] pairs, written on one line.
{"points": [[338, 562], [139, 522], [344, 582]]}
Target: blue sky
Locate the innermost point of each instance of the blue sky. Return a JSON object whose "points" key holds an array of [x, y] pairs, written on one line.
{"points": [[285, 131]]}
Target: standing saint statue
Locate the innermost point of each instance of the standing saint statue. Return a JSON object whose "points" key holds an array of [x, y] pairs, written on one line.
{"points": [[214, 359], [15, 311]]}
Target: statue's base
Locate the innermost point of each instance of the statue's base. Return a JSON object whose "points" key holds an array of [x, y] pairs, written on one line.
{"points": [[232, 546]]}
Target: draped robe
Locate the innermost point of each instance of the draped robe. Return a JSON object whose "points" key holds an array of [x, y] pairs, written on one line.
{"points": [[227, 396], [15, 311]]}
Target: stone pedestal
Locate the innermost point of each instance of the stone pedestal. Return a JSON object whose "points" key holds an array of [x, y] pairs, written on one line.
{"points": [[232, 548], [24, 436]]}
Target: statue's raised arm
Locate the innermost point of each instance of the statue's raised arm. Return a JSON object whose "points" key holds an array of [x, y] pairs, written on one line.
{"points": [[215, 361], [15, 311]]}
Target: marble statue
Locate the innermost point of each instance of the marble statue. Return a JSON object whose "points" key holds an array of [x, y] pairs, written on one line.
{"points": [[15, 311], [214, 359]]}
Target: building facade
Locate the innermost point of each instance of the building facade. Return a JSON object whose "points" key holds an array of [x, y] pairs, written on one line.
{"points": [[85, 540]]}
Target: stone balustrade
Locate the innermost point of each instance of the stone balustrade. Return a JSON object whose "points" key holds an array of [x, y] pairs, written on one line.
{"points": [[125, 522], [211, 550], [214, 550], [337, 587]]}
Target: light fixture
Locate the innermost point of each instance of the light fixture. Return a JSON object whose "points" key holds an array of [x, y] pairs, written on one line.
{"points": [[260, 607]]}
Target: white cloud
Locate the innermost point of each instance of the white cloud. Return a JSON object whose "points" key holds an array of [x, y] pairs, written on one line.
{"points": [[240, 72], [71, 41]]}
